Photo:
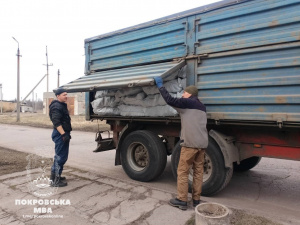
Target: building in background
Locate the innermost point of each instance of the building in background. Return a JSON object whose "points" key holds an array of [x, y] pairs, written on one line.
{"points": [[8, 106], [76, 102], [25, 108]]}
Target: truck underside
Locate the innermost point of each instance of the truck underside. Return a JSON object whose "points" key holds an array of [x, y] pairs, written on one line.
{"points": [[142, 146]]}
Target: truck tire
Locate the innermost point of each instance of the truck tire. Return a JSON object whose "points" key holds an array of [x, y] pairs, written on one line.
{"points": [[215, 175], [143, 155], [246, 164]]}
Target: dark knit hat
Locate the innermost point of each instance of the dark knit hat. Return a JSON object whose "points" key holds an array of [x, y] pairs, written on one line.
{"points": [[59, 91], [193, 90]]}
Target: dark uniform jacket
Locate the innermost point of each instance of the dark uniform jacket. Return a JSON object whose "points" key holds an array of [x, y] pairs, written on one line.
{"points": [[193, 119], [59, 115]]}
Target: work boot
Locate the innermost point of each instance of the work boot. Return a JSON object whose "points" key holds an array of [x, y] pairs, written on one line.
{"points": [[57, 182], [178, 203], [52, 177], [63, 178], [196, 202]]}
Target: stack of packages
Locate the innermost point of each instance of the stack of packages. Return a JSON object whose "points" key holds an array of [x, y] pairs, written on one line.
{"points": [[139, 101]]}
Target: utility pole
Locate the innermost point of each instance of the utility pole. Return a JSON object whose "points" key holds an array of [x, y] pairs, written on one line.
{"points": [[47, 69], [47, 78], [33, 102], [1, 97], [58, 74], [18, 83]]}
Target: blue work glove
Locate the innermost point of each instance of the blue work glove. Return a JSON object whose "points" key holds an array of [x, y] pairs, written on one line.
{"points": [[158, 81]]}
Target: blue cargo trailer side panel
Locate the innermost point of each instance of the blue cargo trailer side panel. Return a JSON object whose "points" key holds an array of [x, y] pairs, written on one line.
{"points": [[252, 68], [244, 57], [253, 23], [158, 43]]}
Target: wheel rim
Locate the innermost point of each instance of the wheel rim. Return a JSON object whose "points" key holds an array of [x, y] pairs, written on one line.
{"points": [[207, 169], [137, 156]]}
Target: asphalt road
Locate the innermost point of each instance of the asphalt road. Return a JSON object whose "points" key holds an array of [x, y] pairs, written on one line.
{"points": [[271, 189]]}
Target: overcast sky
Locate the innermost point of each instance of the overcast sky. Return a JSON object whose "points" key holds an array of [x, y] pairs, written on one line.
{"points": [[62, 25]]}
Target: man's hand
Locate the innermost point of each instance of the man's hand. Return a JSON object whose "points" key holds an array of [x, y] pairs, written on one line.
{"points": [[158, 82], [66, 137]]}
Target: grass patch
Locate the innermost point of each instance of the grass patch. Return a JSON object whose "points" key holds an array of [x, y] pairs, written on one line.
{"points": [[43, 121], [13, 187]]}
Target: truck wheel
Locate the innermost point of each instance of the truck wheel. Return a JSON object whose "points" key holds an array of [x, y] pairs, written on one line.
{"points": [[246, 164], [215, 175], [143, 155]]}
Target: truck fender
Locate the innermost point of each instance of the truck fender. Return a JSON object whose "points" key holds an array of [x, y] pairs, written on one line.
{"points": [[228, 149], [125, 131]]}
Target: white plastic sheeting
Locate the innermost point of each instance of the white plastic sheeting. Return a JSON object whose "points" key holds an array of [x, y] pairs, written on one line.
{"points": [[128, 91], [139, 101], [135, 99], [105, 93], [172, 86], [181, 73], [104, 102], [106, 111]]}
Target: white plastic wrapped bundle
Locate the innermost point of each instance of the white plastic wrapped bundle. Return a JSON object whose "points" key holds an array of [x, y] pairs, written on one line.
{"points": [[137, 101], [119, 100], [128, 91], [134, 99], [171, 86], [165, 110], [149, 101], [155, 100], [179, 94], [182, 83], [129, 110], [104, 102], [179, 73], [107, 111], [182, 72], [105, 93]]}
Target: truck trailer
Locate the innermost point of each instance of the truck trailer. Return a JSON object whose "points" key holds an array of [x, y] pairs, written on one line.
{"points": [[244, 57]]}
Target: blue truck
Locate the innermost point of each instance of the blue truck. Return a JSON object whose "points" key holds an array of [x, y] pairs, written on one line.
{"points": [[244, 57]]}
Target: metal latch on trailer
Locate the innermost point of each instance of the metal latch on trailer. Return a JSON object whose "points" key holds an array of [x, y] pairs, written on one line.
{"points": [[198, 57], [215, 116], [279, 118]]}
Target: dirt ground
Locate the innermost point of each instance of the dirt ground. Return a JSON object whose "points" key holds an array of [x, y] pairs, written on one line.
{"points": [[14, 161], [42, 120]]}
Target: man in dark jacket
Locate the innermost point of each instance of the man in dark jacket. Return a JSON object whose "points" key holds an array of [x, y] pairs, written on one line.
{"points": [[61, 120], [194, 141]]}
